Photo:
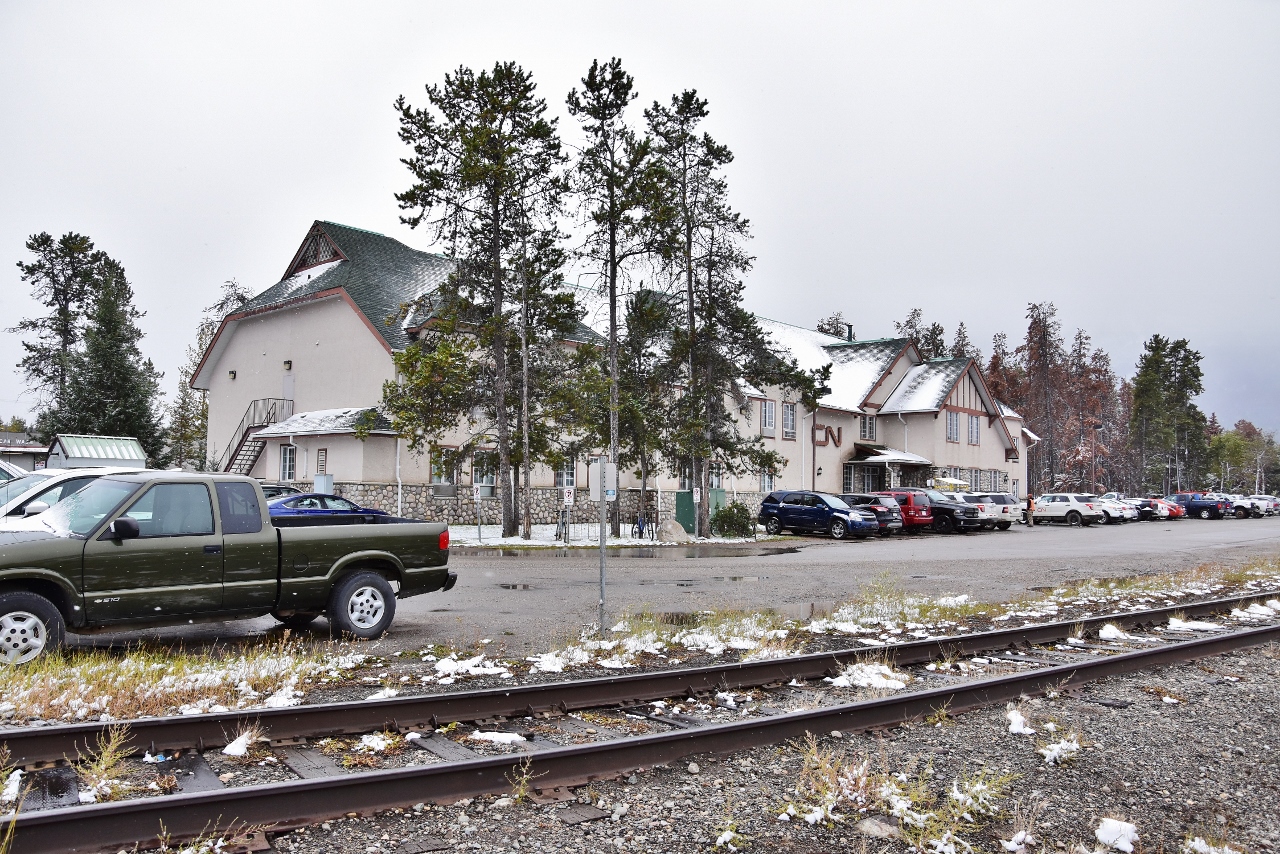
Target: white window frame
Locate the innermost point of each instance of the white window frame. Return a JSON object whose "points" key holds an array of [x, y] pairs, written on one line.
{"points": [[975, 429], [867, 427], [788, 420], [768, 483], [288, 463], [715, 476], [768, 415], [438, 473], [975, 480], [953, 426], [849, 478], [567, 475], [322, 461]]}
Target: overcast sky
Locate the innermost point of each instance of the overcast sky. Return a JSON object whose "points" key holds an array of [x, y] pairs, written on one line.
{"points": [[1120, 159]]}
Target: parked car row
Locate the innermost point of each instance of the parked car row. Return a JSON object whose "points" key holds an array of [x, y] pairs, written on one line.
{"points": [[860, 515]]}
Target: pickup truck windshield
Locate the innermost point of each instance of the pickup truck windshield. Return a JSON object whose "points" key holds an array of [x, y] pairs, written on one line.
{"points": [[79, 514], [935, 496], [11, 489]]}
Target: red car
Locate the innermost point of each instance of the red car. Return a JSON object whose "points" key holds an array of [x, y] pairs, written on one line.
{"points": [[916, 515]]}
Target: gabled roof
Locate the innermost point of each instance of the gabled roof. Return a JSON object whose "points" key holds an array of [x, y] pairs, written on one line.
{"points": [[377, 272], [925, 387], [1007, 411]]}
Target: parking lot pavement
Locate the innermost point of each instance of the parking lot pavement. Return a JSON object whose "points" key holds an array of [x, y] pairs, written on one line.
{"points": [[529, 599]]}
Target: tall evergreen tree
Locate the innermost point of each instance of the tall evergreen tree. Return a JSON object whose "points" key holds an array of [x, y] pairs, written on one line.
{"points": [[646, 376], [112, 389], [617, 183], [62, 276], [1042, 354], [486, 167], [836, 324], [962, 347]]}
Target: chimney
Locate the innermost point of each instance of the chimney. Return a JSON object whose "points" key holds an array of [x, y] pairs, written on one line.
{"points": [[848, 331]]}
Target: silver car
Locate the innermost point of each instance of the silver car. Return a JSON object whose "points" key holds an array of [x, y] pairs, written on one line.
{"points": [[38, 491]]}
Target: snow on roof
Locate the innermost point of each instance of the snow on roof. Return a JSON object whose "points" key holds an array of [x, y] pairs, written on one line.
{"points": [[1007, 411], [856, 366], [1032, 436], [926, 386], [893, 455], [322, 421]]}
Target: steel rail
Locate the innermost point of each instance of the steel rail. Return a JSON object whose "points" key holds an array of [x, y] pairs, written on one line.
{"points": [[282, 806], [34, 745]]}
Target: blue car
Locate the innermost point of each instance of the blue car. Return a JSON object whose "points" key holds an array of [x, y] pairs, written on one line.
{"points": [[815, 512], [317, 504]]}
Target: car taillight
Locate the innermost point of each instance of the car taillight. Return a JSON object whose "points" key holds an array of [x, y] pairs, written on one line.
{"points": [[444, 540], [982, 508], [1090, 506]]}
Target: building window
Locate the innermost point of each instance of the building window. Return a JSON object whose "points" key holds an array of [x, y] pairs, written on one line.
{"points": [[715, 476], [975, 429], [288, 462], [767, 481], [867, 427], [847, 484], [322, 461], [788, 420], [1015, 442], [953, 426], [484, 472], [870, 479], [975, 480], [567, 474], [1015, 489], [767, 415], [441, 471]]}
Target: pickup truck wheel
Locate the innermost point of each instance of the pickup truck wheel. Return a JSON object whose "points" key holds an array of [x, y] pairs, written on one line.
{"points": [[29, 626], [296, 621], [1242, 513], [944, 525], [1205, 514], [774, 526], [363, 605]]}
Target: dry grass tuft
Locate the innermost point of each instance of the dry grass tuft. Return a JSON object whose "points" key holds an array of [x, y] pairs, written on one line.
{"points": [[101, 772]]}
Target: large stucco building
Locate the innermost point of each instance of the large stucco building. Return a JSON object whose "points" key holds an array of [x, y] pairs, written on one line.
{"points": [[290, 372]]}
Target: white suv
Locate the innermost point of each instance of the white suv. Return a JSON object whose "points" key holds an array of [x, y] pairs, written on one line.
{"points": [[1067, 507], [988, 510], [1113, 509], [1270, 504]]}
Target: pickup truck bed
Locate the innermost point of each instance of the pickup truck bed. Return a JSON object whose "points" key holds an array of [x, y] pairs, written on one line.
{"points": [[159, 548]]}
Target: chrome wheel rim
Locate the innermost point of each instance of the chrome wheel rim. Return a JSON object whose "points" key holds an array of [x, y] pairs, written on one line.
{"points": [[22, 637], [366, 607]]}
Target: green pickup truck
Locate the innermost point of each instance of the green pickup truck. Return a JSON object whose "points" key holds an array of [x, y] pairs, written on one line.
{"points": [[168, 548]]}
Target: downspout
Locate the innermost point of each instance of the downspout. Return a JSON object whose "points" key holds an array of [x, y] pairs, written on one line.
{"points": [[906, 428], [399, 484]]}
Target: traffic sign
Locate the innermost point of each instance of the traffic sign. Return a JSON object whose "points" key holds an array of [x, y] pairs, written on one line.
{"points": [[697, 495], [568, 496], [610, 480], [475, 491]]}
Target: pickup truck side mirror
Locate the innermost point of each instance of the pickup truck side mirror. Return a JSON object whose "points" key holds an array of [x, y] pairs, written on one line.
{"points": [[34, 507], [125, 528]]}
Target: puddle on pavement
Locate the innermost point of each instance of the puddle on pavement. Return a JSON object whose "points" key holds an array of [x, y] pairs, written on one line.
{"points": [[516, 586], [631, 551]]}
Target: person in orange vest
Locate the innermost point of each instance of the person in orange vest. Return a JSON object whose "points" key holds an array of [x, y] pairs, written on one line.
{"points": [[1031, 510]]}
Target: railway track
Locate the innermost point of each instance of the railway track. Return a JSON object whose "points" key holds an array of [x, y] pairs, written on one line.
{"points": [[326, 791]]}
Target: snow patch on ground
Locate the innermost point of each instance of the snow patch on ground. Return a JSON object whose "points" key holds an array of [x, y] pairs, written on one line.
{"points": [[863, 675], [1117, 834], [1193, 625], [1060, 751], [497, 737], [1017, 723]]}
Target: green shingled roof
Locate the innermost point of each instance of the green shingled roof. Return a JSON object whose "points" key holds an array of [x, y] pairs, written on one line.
{"points": [[379, 273]]}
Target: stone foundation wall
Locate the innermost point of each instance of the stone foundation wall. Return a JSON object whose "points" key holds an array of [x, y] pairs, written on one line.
{"points": [[419, 502]]}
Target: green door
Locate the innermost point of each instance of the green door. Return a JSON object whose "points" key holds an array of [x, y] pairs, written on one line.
{"points": [[173, 568], [249, 549]]}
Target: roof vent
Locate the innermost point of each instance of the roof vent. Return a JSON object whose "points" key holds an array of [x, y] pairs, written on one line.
{"points": [[848, 331]]}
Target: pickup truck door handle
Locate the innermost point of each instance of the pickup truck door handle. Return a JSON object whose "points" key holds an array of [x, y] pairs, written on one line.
{"points": [[213, 550]]}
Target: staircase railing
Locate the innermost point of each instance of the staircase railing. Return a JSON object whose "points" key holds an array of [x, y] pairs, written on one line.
{"points": [[260, 413]]}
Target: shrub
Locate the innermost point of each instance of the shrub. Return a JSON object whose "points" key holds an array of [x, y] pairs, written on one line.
{"points": [[734, 519]]}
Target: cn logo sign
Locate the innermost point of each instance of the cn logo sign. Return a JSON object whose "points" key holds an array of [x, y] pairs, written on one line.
{"points": [[824, 435]]}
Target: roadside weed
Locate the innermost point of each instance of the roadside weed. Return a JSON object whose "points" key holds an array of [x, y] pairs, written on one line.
{"points": [[100, 772], [521, 778], [210, 841]]}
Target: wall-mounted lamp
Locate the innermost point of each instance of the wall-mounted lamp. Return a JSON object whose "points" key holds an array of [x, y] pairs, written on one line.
{"points": [[231, 375], [288, 364]]}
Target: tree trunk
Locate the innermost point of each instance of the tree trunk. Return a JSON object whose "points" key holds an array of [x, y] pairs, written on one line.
{"points": [[613, 350], [500, 380], [527, 527]]}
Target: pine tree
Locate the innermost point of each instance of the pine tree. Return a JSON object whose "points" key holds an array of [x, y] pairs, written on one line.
{"points": [[61, 278], [720, 344], [835, 324], [962, 347], [486, 166], [618, 186], [112, 390], [646, 375], [1042, 355]]}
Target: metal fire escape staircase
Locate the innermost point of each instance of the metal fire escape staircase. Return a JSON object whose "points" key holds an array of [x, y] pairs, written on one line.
{"points": [[244, 449]]}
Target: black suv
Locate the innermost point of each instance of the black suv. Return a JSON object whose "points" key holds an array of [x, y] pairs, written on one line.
{"points": [[950, 516], [801, 511], [888, 513]]}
